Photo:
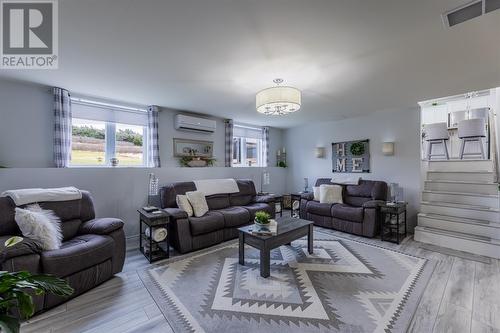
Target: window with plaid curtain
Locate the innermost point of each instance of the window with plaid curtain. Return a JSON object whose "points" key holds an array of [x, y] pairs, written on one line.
{"points": [[265, 146], [62, 127]]}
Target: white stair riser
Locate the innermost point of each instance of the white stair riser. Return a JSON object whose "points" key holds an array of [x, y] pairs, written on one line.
{"points": [[461, 166], [461, 176], [457, 187], [492, 202], [472, 229], [456, 243], [460, 212]]}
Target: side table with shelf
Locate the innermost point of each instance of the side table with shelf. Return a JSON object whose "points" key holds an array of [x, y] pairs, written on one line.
{"points": [[393, 226], [295, 197], [157, 250], [278, 199]]}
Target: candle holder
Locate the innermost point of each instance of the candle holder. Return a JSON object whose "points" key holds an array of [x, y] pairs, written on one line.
{"points": [[152, 189]]}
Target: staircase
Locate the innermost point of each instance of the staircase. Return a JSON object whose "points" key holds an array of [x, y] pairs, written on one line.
{"points": [[460, 207]]}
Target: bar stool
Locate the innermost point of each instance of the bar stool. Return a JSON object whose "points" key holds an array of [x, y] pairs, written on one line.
{"points": [[437, 133], [472, 130]]}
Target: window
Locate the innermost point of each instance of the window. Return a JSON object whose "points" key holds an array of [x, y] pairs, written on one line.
{"points": [[88, 142], [247, 146], [130, 144], [101, 132]]}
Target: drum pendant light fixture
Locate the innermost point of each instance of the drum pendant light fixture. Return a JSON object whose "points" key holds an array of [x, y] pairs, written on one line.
{"points": [[278, 100]]}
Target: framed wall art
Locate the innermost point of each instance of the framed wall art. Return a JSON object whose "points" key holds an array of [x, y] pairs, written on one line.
{"points": [[351, 156], [187, 147]]}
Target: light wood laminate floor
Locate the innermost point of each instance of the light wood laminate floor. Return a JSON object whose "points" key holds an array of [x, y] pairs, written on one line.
{"points": [[463, 295]]}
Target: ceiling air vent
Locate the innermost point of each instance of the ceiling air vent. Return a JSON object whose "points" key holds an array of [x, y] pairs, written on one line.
{"points": [[470, 11], [466, 13], [491, 5]]}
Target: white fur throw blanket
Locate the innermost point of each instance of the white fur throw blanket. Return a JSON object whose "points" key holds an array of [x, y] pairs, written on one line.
{"points": [[216, 186], [32, 195], [346, 180]]}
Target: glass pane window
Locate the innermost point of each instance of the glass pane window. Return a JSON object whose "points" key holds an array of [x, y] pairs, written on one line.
{"points": [[108, 134], [247, 152], [129, 145], [237, 151], [88, 146], [95, 143], [252, 152]]}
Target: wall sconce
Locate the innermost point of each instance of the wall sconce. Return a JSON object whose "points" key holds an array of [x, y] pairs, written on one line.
{"points": [[319, 152], [388, 148]]}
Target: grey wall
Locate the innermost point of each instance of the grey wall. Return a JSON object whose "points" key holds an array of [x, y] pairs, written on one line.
{"points": [[26, 129], [26, 125], [26, 134], [400, 126], [26, 142], [167, 133]]}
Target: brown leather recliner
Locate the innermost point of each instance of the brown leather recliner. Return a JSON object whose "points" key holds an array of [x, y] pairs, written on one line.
{"points": [[227, 212], [359, 214], [93, 249]]}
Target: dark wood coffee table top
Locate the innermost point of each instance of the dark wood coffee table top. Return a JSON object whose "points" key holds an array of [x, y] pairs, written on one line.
{"points": [[289, 229], [285, 224]]}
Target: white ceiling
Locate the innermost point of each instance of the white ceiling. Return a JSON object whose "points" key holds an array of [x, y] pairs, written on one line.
{"points": [[350, 58]]}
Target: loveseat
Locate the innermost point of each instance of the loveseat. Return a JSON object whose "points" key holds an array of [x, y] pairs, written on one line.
{"points": [[358, 214], [227, 212], [92, 251]]}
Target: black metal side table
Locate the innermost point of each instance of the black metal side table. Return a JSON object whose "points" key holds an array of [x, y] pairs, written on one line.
{"points": [[278, 199], [156, 249], [392, 226], [295, 197]]}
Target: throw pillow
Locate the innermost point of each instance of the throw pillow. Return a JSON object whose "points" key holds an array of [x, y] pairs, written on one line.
{"points": [[316, 193], [198, 202], [330, 194], [183, 203], [40, 225]]}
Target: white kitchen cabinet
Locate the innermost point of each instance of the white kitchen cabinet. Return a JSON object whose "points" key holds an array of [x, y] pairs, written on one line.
{"points": [[435, 114], [475, 103]]}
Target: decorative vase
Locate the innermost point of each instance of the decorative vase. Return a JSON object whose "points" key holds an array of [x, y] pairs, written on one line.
{"points": [[153, 184], [258, 223], [197, 162], [153, 190]]}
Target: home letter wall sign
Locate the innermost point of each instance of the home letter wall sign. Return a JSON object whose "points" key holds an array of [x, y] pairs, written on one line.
{"points": [[351, 156]]}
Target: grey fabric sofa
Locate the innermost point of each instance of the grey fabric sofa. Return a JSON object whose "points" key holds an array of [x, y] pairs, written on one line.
{"points": [[227, 213], [93, 250], [358, 214]]}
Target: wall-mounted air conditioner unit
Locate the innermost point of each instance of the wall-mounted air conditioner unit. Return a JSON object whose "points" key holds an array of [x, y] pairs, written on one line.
{"points": [[194, 124]]}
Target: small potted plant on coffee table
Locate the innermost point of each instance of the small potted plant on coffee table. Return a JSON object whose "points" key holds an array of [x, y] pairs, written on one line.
{"points": [[262, 218]]}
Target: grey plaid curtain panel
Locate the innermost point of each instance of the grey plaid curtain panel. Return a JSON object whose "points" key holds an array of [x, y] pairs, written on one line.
{"points": [[228, 154], [153, 145], [265, 146], [62, 127]]}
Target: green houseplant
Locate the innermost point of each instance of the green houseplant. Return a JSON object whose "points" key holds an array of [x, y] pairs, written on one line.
{"points": [[262, 217], [14, 293], [357, 148]]}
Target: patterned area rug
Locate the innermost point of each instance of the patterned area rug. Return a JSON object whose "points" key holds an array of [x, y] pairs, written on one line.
{"points": [[345, 286]]}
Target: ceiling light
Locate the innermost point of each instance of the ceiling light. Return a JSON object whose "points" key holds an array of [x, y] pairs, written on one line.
{"points": [[279, 100]]}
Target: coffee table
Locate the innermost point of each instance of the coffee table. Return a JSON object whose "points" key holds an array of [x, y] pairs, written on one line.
{"points": [[289, 229]]}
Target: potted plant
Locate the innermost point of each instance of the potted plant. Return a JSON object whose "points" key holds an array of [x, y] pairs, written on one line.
{"points": [[14, 292], [358, 148], [262, 218]]}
